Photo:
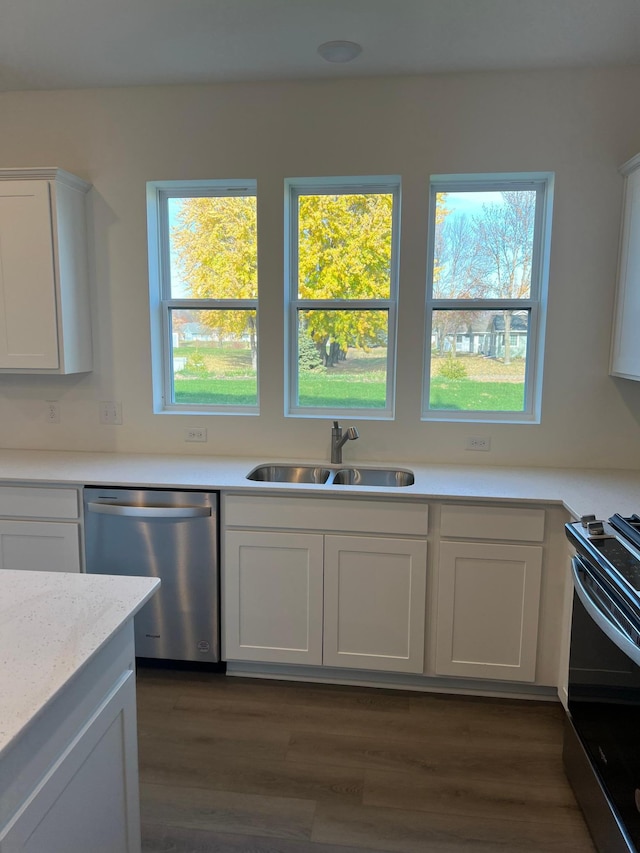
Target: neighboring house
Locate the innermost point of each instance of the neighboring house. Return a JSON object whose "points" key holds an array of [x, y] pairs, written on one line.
{"points": [[487, 338]]}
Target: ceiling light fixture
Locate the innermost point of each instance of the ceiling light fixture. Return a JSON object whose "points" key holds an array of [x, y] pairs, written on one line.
{"points": [[339, 51]]}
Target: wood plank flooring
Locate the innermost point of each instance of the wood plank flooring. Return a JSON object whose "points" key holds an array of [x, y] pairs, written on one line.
{"points": [[233, 765]]}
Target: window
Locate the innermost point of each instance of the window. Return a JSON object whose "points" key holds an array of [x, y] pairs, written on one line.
{"points": [[342, 257], [486, 296], [203, 265]]}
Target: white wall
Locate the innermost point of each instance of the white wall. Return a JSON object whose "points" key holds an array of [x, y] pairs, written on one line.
{"points": [[581, 125]]}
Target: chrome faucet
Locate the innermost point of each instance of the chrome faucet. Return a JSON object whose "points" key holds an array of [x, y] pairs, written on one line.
{"points": [[338, 439]]}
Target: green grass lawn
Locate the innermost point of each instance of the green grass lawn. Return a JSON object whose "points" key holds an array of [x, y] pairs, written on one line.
{"points": [[356, 384], [326, 391], [323, 390], [216, 392], [475, 396]]}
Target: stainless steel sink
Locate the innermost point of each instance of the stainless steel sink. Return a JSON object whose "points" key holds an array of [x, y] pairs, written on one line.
{"points": [[289, 474], [373, 477]]}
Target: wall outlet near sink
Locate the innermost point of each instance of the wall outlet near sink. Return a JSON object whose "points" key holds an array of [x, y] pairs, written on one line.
{"points": [[52, 412], [478, 442], [195, 434]]}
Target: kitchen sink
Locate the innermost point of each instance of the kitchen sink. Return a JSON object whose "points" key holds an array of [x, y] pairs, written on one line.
{"points": [[289, 474], [342, 477], [373, 477]]}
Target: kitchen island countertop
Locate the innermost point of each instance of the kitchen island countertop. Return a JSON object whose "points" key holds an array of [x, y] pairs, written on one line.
{"points": [[51, 625]]}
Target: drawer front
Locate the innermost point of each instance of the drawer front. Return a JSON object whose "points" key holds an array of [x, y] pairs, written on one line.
{"points": [[289, 513], [36, 502], [511, 524]]}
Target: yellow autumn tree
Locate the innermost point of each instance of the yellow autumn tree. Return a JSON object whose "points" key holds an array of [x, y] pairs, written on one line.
{"points": [[344, 253], [215, 242]]}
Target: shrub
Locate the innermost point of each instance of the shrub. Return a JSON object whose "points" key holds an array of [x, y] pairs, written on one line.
{"points": [[308, 356], [196, 365], [453, 368]]}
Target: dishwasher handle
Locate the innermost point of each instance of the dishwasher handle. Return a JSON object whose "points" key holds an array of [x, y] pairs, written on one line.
{"points": [[134, 511]]}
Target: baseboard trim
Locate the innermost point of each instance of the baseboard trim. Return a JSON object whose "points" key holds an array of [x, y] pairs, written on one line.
{"points": [[391, 680]]}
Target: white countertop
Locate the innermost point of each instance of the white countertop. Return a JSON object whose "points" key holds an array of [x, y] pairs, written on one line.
{"points": [[51, 625], [581, 491]]}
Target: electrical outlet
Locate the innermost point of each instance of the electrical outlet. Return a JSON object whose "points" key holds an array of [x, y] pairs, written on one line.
{"points": [[478, 442], [110, 412], [195, 434], [52, 412]]}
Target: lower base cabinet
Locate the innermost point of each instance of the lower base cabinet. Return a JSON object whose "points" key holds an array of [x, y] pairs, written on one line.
{"points": [[51, 546], [374, 603], [273, 596], [315, 598], [71, 783], [488, 602]]}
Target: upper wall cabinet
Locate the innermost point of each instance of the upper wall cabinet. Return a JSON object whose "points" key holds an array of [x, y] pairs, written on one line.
{"points": [[45, 324], [625, 347]]}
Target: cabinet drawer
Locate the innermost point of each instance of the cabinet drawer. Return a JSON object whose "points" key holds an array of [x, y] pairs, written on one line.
{"points": [[50, 546], [513, 524], [34, 502], [340, 515]]}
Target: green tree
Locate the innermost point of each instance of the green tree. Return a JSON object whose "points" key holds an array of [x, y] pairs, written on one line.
{"points": [[215, 241], [344, 252]]}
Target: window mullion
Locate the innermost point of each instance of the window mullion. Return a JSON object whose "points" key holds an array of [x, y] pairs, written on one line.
{"points": [[212, 304], [481, 304], [343, 304]]}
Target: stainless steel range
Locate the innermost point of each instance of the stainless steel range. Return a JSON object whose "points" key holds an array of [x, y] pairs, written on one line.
{"points": [[602, 737]]}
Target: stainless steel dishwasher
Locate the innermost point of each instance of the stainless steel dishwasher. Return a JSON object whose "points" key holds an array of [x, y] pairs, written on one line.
{"points": [[172, 536]]}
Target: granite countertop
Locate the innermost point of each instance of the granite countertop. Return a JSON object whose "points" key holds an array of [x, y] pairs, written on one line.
{"points": [[581, 491], [51, 625]]}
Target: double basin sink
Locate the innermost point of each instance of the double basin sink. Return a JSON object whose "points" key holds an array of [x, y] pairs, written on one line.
{"points": [[351, 476]]}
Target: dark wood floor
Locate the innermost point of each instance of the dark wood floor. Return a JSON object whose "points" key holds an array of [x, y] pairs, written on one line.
{"points": [[242, 766]]}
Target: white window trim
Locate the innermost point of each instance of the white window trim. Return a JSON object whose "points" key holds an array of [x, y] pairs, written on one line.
{"points": [[160, 302], [294, 187], [536, 304]]}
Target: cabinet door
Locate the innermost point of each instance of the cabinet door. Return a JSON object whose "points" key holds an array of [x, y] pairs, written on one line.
{"points": [[625, 348], [88, 801], [272, 590], [488, 603], [28, 318], [50, 546], [374, 603]]}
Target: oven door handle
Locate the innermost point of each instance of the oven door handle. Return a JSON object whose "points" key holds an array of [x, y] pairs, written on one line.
{"points": [[602, 619]]}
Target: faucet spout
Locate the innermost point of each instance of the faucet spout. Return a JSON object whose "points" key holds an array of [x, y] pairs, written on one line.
{"points": [[338, 439]]}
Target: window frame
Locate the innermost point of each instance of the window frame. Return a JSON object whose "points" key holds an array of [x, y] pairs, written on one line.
{"points": [[535, 304], [161, 302], [347, 185]]}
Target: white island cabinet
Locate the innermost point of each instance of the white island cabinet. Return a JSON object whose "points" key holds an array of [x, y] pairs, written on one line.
{"points": [[68, 742]]}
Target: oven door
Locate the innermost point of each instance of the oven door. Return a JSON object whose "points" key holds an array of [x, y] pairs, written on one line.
{"points": [[604, 699]]}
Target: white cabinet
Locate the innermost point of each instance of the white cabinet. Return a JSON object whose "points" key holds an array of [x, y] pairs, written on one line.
{"points": [[39, 529], [374, 603], [70, 782], [318, 591], [273, 595], [80, 803], [44, 290], [488, 595], [625, 346]]}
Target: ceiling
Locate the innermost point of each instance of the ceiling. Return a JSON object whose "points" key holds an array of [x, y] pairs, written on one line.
{"points": [[60, 44]]}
